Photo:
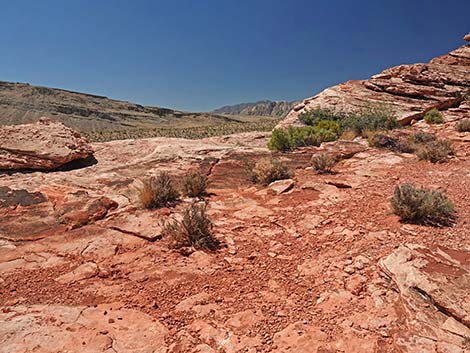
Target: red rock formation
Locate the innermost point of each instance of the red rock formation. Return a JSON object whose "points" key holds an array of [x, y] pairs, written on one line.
{"points": [[45, 145], [411, 90]]}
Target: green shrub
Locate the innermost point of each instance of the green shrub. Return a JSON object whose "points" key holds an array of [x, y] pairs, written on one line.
{"points": [[422, 206], [435, 151], [194, 229], [463, 125], [373, 117], [303, 136], [279, 141], [157, 191], [313, 116], [267, 170], [194, 184], [433, 116], [323, 163]]}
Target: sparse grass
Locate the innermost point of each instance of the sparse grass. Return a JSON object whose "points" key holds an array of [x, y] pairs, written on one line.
{"points": [[194, 184], [433, 116], [435, 151], [422, 206], [194, 133], [323, 163], [267, 170], [463, 125], [193, 230], [157, 191]]}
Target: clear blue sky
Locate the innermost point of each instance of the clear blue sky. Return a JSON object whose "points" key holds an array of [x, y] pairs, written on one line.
{"points": [[201, 54]]}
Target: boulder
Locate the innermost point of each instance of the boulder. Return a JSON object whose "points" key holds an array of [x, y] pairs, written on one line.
{"points": [[45, 145], [411, 90], [467, 37]]}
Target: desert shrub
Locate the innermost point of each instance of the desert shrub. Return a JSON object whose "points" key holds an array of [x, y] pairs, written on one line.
{"points": [[348, 135], [423, 137], [313, 116], [267, 170], [323, 163], [157, 191], [382, 140], [295, 137], [194, 229], [194, 184], [435, 151], [422, 206], [373, 117], [279, 141], [433, 116], [463, 125]]}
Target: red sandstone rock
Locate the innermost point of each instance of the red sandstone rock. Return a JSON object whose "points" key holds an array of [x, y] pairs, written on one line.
{"points": [[44, 145], [411, 90]]}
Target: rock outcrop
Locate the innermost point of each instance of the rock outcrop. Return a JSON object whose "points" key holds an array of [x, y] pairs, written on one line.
{"points": [[411, 90], [433, 286], [45, 145], [278, 109]]}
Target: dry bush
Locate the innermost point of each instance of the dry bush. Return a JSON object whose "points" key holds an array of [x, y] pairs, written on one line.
{"points": [[194, 184], [422, 206], [323, 163], [463, 125], [157, 191], [435, 151], [348, 135], [193, 230], [267, 170]]}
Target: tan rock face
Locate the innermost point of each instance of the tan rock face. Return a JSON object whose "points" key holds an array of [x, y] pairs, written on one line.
{"points": [[411, 90], [433, 286], [467, 37], [44, 145]]}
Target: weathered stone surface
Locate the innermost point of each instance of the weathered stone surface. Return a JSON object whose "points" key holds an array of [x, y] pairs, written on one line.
{"points": [[433, 286], [281, 186], [411, 90], [44, 145], [54, 328], [467, 37]]}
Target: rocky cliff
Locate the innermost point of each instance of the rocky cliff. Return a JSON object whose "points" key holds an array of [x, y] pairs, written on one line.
{"points": [[411, 90], [277, 109]]}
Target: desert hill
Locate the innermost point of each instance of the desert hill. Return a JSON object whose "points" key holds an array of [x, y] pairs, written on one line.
{"points": [[262, 108], [23, 103]]}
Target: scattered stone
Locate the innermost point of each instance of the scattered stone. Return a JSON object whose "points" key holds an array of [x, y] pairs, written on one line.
{"points": [[281, 186]]}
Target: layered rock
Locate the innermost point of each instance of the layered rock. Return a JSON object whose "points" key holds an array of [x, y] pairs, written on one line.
{"points": [[411, 90], [45, 145], [277, 109], [433, 286]]}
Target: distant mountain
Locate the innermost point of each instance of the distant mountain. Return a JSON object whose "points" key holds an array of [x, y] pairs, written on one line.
{"points": [[24, 103], [262, 108]]}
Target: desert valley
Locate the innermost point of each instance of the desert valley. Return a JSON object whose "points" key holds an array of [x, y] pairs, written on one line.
{"points": [[339, 223]]}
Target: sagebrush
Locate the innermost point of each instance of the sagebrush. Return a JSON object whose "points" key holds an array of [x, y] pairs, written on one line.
{"points": [[267, 170], [323, 163], [157, 191], [422, 206], [194, 184], [193, 230]]}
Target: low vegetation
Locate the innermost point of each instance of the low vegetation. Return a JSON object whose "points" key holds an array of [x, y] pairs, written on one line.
{"points": [[435, 151], [323, 163], [323, 125], [422, 206], [193, 230], [195, 132], [267, 170], [426, 146], [433, 116], [194, 184], [157, 191], [463, 125]]}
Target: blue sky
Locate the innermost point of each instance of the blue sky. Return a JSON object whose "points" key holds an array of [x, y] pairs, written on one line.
{"points": [[201, 54]]}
